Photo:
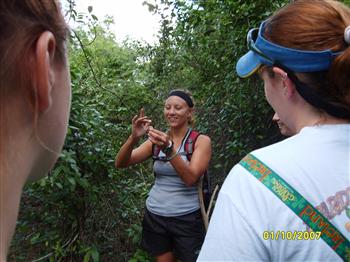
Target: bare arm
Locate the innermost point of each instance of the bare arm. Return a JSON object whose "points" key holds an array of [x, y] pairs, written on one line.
{"points": [[191, 172], [127, 155]]}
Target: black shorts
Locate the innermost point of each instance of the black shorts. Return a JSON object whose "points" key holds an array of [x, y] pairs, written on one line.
{"points": [[183, 235]]}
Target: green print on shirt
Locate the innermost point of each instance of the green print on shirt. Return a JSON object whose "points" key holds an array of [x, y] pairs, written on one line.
{"points": [[298, 204]]}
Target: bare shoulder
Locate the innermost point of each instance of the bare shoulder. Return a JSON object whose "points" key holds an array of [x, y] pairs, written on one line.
{"points": [[203, 140], [203, 146]]}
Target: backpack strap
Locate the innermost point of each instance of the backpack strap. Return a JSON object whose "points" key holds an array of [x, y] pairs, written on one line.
{"points": [[189, 148], [190, 143], [203, 186], [298, 204]]}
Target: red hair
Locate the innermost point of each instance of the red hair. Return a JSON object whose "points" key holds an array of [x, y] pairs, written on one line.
{"points": [[22, 22], [317, 25]]}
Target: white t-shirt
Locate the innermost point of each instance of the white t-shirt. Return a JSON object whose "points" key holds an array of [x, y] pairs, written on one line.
{"points": [[315, 162]]}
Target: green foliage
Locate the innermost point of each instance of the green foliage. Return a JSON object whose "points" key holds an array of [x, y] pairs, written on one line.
{"points": [[140, 256], [199, 46], [86, 210]]}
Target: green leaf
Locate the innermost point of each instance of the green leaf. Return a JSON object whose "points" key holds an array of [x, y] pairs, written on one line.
{"points": [[347, 211], [95, 254], [83, 183], [87, 257], [59, 185], [94, 17], [72, 181]]}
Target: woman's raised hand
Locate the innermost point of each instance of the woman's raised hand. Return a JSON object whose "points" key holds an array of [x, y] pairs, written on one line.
{"points": [[158, 137], [140, 124]]}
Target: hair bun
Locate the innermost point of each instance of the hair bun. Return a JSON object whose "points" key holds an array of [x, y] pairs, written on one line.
{"points": [[347, 35]]}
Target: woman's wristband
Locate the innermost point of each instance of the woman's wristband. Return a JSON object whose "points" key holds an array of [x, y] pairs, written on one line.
{"points": [[169, 149]]}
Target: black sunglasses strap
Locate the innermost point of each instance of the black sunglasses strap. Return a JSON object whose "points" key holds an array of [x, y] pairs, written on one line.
{"points": [[313, 98]]}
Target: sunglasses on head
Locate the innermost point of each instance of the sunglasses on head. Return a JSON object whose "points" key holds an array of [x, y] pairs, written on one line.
{"points": [[251, 38], [303, 89]]}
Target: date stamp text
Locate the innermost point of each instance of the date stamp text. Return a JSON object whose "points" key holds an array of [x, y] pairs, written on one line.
{"points": [[291, 235]]}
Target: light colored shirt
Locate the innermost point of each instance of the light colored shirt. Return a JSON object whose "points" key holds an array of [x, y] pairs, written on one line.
{"points": [[315, 162], [169, 195]]}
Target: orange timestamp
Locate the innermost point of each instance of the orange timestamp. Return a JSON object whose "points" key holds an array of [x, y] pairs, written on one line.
{"points": [[291, 235]]}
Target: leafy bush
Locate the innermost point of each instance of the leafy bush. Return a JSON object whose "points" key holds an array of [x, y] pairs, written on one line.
{"points": [[86, 210], [199, 46]]}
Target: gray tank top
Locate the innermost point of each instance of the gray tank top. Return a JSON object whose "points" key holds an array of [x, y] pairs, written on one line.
{"points": [[169, 195]]}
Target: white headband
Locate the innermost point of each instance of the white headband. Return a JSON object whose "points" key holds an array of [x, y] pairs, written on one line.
{"points": [[347, 35]]}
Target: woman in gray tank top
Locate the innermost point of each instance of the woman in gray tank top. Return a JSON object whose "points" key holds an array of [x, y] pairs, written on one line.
{"points": [[172, 226]]}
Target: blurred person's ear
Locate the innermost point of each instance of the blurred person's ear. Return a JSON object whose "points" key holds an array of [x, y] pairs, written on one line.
{"points": [[44, 71]]}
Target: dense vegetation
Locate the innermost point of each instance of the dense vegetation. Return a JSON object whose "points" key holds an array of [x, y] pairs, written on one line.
{"points": [[86, 210]]}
